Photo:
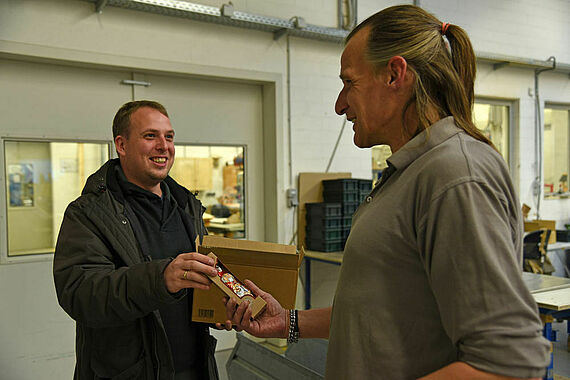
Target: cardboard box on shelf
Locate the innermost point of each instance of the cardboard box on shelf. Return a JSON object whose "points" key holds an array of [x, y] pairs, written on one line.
{"points": [[533, 225], [273, 267]]}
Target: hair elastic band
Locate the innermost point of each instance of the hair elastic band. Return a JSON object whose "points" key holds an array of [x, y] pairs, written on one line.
{"points": [[444, 27]]}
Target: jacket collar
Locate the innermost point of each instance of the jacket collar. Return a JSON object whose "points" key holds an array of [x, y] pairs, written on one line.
{"points": [[106, 178]]}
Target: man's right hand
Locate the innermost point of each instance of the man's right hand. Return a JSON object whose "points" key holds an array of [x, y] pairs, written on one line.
{"points": [[189, 270], [273, 322]]}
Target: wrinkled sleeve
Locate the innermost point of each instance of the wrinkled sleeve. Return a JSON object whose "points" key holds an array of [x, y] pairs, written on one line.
{"points": [[474, 270], [92, 284]]}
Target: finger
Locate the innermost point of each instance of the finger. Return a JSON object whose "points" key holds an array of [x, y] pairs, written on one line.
{"points": [[231, 306], [196, 256], [199, 267], [195, 285], [238, 316], [195, 277], [247, 316], [254, 288]]}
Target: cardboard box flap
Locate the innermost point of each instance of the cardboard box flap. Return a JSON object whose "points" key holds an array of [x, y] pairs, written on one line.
{"points": [[253, 258], [248, 245], [301, 255], [252, 253]]}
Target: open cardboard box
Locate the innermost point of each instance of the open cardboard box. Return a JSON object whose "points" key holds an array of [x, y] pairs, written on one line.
{"points": [[273, 267]]}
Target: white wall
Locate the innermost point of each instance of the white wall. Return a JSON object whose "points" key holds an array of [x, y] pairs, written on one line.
{"points": [[520, 28], [69, 29], [525, 29]]}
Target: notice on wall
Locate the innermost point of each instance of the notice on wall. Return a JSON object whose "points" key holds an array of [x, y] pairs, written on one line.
{"points": [[21, 185]]}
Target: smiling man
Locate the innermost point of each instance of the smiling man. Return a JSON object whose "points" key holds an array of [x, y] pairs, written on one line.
{"points": [[125, 261]]}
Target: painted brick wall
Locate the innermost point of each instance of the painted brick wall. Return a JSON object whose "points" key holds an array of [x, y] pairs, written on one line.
{"points": [[523, 28]]}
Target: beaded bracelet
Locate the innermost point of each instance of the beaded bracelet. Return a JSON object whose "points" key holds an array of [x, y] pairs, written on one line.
{"points": [[293, 336]]}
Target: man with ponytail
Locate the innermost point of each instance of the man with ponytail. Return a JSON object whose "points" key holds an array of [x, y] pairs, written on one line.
{"points": [[430, 285]]}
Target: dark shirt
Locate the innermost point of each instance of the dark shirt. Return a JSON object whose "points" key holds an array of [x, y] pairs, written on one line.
{"points": [[161, 233]]}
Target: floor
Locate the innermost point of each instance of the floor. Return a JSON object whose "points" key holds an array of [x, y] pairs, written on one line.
{"points": [[561, 355]]}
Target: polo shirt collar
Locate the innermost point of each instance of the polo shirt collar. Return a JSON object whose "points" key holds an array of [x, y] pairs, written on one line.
{"points": [[426, 140]]}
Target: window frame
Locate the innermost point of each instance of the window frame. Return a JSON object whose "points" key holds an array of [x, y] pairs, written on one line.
{"points": [[244, 147], [557, 106], [512, 131], [36, 257]]}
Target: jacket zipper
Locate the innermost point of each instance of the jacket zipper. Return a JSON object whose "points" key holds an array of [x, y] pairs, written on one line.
{"points": [[155, 351]]}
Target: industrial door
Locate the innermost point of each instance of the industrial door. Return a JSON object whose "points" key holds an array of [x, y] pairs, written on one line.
{"points": [[210, 112]]}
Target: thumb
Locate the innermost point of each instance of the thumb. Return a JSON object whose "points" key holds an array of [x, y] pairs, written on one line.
{"points": [[254, 288]]}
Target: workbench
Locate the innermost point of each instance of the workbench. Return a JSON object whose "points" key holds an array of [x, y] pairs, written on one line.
{"points": [[551, 293]]}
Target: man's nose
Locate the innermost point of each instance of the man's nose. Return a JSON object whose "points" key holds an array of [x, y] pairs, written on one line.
{"points": [[341, 105], [161, 143]]}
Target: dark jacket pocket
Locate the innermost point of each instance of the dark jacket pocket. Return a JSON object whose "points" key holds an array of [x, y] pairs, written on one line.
{"points": [[117, 352], [136, 372]]}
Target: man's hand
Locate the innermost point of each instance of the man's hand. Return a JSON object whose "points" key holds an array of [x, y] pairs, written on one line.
{"points": [[273, 322], [188, 270]]}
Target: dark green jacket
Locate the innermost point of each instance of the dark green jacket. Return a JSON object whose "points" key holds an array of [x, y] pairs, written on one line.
{"points": [[111, 290]]}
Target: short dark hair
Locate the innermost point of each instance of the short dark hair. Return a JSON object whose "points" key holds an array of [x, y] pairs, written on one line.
{"points": [[122, 120]]}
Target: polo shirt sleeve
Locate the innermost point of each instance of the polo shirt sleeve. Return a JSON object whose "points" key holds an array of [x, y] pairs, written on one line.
{"points": [[469, 254]]}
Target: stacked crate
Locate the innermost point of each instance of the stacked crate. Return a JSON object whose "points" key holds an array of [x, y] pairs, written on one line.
{"points": [[328, 223], [346, 191], [351, 193], [364, 188], [324, 227]]}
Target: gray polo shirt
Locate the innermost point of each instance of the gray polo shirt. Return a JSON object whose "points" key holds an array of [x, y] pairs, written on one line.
{"points": [[432, 269]]}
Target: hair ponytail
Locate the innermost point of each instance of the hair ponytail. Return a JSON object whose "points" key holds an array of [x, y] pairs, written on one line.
{"points": [[464, 62]]}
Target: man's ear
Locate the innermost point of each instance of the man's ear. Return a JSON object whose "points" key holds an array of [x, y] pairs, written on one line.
{"points": [[120, 145], [397, 69]]}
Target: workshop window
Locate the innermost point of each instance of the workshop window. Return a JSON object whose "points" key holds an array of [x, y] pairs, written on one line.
{"points": [[556, 150], [380, 153], [216, 174], [493, 119], [42, 178]]}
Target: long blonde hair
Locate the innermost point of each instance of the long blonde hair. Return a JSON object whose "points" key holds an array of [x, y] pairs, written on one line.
{"points": [[443, 81]]}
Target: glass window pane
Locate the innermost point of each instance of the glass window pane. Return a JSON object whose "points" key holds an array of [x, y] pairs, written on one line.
{"points": [[493, 121], [556, 151], [42, 179], [216, 173]]}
